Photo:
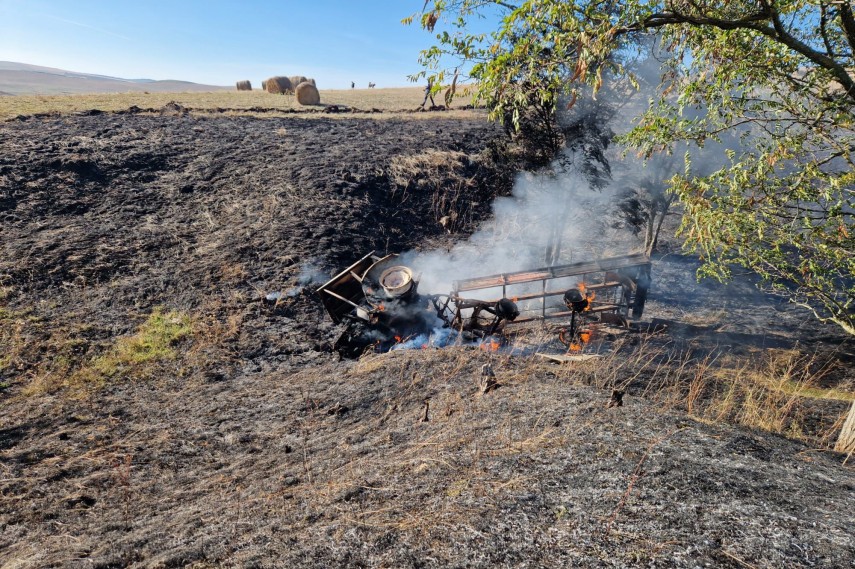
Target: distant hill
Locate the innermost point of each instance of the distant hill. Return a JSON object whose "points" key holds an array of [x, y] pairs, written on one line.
{"points": [[25, 79]]}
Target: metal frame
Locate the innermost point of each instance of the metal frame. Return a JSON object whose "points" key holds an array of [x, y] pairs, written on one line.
{"points": [[620, 285], [342, 293]]}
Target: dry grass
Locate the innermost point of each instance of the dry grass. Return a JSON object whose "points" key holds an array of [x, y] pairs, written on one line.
{"points": [[447, 177], [17, 328], [256, 102], [779, 391], [440, 174], [538, 456], [766, 393]]}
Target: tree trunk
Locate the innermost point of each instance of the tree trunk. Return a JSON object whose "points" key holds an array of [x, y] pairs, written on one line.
{"points": [[846, 440], [556, 233], [650, 230], [653, 232]]}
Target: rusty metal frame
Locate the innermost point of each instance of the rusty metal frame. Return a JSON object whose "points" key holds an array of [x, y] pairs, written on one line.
{"points": [[624, 281], [619, 283], [342, 293]]}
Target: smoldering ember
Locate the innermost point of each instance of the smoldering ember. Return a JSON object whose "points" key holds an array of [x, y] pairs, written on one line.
{"points": [[250, 339]]}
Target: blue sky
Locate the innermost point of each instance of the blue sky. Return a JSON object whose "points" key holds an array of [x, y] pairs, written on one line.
{"points": [[218, 41]]}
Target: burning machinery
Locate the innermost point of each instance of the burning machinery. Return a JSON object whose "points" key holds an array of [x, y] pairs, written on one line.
{"points": [[378, 299], [610, 290]]}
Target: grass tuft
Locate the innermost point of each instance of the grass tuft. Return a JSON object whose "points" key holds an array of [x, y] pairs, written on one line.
{"points": [[787, 392], [13, 331], [153, 342], [129, 358]]}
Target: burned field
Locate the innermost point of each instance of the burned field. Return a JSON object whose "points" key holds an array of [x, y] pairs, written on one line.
{"points": [[107, 216], [172, 396]]}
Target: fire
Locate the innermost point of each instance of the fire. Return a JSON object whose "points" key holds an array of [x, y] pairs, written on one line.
{"points": [[585, 336], [490, 345], [589, 295], [381, 307], [398, 339]]}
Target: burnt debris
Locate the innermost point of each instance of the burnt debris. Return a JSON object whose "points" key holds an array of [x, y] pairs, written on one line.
{"points": [[377, 301]]}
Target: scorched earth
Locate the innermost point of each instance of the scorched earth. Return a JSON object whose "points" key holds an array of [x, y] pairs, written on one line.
{"points": [[159, 411]]}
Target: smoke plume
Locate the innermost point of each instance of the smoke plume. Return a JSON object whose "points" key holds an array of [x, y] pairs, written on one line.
{"points": [[571, 211]]}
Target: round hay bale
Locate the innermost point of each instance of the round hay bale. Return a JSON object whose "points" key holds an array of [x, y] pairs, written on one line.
{"points": [[243, 86], [296, 80], [310, 80], [279, 85], [307, 94], [264, 85]]}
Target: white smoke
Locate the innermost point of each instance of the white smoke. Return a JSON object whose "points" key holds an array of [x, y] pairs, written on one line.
{"points": [[560, 206], [438, 337], [541, 207], [310, 273]]}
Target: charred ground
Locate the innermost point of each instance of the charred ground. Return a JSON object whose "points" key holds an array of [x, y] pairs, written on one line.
{"points": [[106, 217], [253, 446]]}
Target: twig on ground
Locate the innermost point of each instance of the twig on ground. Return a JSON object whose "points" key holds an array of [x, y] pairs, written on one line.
{"points": [[740, 561]]}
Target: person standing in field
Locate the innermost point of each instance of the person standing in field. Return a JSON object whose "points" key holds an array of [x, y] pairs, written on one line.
{"points": [[429, 94]]}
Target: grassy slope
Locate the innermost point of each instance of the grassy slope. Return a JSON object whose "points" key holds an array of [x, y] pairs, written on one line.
{"points": [[29, 82]]}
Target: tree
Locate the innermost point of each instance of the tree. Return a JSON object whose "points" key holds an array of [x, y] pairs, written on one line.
{"points": [[775, 72], [643, 204], [586, 134]]}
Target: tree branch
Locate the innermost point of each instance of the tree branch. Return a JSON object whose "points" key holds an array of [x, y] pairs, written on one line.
{"points": [[847, 20], [777, 32], [823, 28], [820, 59]]}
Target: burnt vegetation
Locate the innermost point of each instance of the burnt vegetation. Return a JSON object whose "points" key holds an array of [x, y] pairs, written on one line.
{"points": [[171, 398]]}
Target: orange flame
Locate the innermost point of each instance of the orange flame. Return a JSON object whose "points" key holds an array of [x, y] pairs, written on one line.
{"points": [[491, 346], [381, 307], [584, 337], [398, 339], [589, 295]]}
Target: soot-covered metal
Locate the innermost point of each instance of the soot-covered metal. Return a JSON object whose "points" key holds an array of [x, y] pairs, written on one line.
{"points": [[378, 301]]}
